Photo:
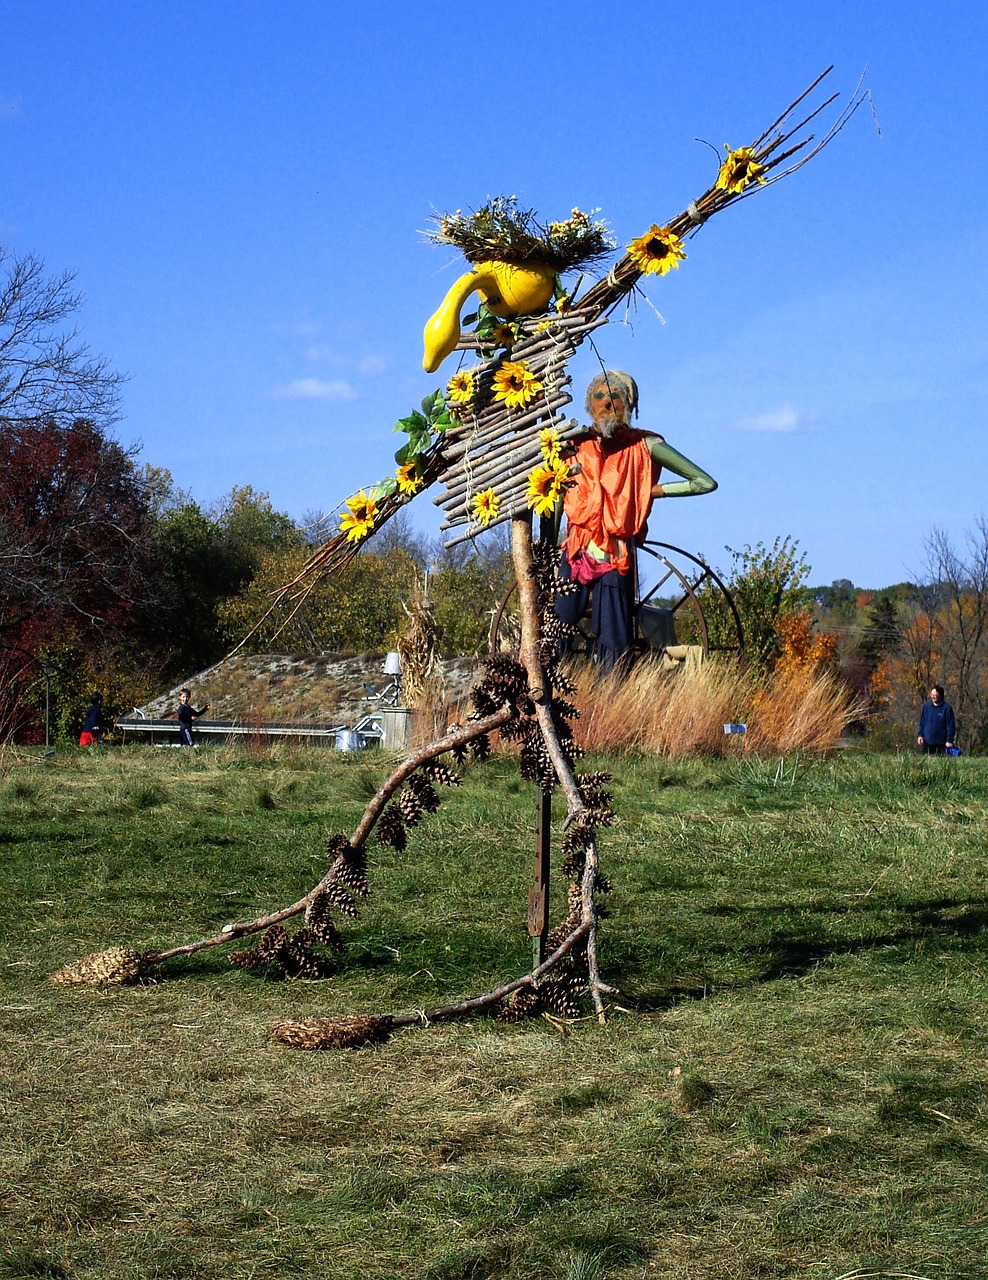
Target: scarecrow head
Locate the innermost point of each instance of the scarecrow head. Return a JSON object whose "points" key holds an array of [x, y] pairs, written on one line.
{"points": [[612, 398]]}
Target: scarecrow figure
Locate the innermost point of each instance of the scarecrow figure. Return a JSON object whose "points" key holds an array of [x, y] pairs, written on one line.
{"points": [[615, 479]]}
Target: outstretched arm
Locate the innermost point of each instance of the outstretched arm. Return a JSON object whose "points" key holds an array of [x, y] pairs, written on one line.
{"points": [[694, 480]]}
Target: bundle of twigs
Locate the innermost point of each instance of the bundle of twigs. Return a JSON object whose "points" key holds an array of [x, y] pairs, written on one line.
{"points": [[770, 150]]}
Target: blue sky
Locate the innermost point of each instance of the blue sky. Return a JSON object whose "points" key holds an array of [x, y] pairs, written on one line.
{"points": [[241, 186]]}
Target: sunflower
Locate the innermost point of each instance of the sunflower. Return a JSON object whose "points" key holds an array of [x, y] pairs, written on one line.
{"points": [[486, 506], [409, 477], [658, 251], [739, 170], [549, 445], [460, 387], [545, 484], [515, 385], [505, 334], [358, 521]]}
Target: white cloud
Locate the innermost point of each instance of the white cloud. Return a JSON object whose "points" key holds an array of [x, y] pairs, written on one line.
{"points": [[317, 389], [785, 419], [323, 353]]}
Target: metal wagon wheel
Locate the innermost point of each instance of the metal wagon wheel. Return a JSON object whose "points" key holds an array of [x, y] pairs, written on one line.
{"points": [[695, 585], [710, 618]]}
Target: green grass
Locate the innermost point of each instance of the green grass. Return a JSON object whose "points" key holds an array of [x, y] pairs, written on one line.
{"points": [[794, 1084]]}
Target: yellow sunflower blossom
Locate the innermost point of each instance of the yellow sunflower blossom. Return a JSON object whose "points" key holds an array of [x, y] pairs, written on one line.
{"points": [[739, 170], [358, 521], [515, 385], [460, 387], [505, 334], [549, 445], [486, 506], [409, 477], [657, 252], [545, 484], [543, 326], [563, 303]]}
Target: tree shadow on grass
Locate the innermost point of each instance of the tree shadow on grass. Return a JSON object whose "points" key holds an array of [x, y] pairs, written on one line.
{"points": [[956, 924]]}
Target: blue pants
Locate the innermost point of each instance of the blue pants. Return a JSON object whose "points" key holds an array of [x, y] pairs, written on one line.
{"points": [[610, 618]]}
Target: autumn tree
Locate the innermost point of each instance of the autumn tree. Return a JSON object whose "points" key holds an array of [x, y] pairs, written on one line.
{"points": [[74, 527], [205, 559]]}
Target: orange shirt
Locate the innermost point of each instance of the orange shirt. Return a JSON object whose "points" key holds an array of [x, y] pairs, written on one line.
{"points": [[610, 502]]}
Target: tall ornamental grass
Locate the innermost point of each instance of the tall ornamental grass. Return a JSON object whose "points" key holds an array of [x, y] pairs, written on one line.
{"points": [[683, 713]]}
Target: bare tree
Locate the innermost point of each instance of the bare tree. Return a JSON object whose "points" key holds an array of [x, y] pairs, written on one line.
{"points": [[46, 370], [953, 625]]}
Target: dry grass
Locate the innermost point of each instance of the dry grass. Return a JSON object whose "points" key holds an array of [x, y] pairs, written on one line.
{"points": [[683, 713]]}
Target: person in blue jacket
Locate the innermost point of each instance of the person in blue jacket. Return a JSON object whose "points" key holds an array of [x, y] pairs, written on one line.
{"points": [[186, 714], [936, 724], [95, 725]]}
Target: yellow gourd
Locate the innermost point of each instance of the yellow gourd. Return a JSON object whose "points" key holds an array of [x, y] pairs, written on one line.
{"points": [[507, 290]]}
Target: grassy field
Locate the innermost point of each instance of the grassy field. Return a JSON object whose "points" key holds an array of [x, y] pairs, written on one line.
{"points": [[793, 1086]]}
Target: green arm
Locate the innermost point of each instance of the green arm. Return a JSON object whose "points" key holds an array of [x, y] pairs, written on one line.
{"points": [[694, 480]]}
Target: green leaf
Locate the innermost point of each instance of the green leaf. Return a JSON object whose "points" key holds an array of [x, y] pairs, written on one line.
{"points": [[433, 405], [384, 489], [414, 422], [470, 318]]}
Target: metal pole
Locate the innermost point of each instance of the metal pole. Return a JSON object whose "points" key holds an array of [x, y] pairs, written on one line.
{"points": [[538, 896]]}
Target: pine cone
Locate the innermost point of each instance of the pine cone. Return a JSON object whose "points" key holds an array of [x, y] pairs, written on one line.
{"points": [[319, 920], [391, 829], [328, 1033], [110, 968], [272, 942], [441, 774], [424, 792], [352, 872], [410, 807], [341, 900], [573, 864], [296, 961], [523, 1003], [558, 994]]}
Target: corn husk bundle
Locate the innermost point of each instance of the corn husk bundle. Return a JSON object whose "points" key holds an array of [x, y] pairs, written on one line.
{"points": [[329, 1033], [110, 968], [419, 649]]}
